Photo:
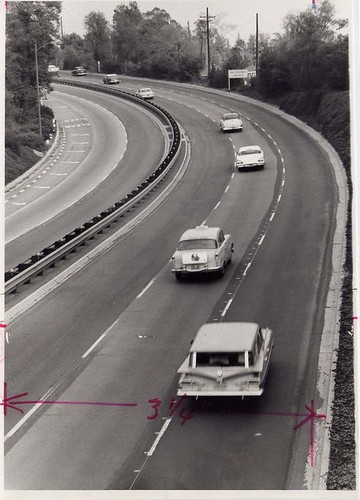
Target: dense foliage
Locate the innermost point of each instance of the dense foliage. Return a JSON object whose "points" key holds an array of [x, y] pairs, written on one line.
{"points": [[28, 25]]}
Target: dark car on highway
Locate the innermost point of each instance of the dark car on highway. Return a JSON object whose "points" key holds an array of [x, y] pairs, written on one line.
{"points": [[79, 71]]}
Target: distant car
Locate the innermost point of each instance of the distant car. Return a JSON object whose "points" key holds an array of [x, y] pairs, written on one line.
{"points": [[231, 121], [202, 250], [53, 70], [111, 78], [227, 359], [249, 157], [79, 71], [145, 93]]}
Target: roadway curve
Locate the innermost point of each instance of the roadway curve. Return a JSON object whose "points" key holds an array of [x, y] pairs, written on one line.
{"points": [[94, 168], [282, 220]]}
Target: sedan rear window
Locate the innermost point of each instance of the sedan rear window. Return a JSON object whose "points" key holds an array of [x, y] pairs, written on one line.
{"points": [[231, 116], [197, 244], [249, 152]]}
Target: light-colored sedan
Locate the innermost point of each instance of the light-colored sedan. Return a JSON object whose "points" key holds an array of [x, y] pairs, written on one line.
{"points": [[145, 93], [227, 359], [230, 122], [250, 157], [202, 250]]}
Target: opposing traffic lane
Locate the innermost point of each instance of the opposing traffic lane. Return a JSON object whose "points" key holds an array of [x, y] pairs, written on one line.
{"points": [[123, 136]]}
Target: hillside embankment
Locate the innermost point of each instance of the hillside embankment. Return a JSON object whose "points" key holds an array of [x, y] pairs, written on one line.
{"points": [[329, 114]]}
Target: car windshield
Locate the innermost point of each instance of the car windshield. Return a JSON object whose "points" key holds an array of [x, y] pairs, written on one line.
{"points": [[220, 359], [249, 152], [231, 116], [197, 244]]}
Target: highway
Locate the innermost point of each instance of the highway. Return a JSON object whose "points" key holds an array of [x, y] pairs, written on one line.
{"points": [[72, 190], [120, 328]]}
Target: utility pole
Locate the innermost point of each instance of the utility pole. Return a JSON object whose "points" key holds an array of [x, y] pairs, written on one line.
{"points": [[208, 39], [208, 19], [257, 45]]}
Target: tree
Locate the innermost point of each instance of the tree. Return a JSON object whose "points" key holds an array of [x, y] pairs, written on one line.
{"points": [[73, 50], [27, 24], [125, 36], [97, 39]]}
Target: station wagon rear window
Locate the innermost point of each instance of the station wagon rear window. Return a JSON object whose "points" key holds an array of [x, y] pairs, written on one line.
{"points": [[220, 359], [197, 244]]}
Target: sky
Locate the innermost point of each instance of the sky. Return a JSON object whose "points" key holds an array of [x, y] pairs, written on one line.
{"points": [[233, 17]]}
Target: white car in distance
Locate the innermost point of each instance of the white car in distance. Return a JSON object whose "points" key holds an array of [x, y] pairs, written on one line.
{"points": [[145, 93], [249, 157], [230, 122]]}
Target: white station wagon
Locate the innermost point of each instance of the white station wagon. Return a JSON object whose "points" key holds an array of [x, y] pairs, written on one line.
{"points": [[227, 359], [202, 250], [250, 157], [145, 93], [231, 121]]}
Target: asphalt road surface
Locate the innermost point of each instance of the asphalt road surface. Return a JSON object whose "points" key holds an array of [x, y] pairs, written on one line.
{"points": [[282, 221]]}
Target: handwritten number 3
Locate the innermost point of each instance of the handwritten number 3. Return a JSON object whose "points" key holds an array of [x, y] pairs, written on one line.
{"points": [[155, 404]]}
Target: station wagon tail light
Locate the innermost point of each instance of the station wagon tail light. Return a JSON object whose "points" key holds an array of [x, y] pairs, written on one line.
{"points": [[217, 258]]}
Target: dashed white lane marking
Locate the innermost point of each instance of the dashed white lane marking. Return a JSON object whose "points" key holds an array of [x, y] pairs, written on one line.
{"points": [[80, 151], [262, 239], [97, 341], [272, 216], [227, 189], [17, 202], [247, 268], [226, 307], [158, 437], [57, 173], [145, 289], [41, 187], [217, 205], [71, 162]]}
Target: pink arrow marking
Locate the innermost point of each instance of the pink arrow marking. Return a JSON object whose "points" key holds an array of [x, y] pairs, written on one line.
{"points": [[8, 402]]}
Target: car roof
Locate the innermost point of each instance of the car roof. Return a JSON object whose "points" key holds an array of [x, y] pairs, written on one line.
{"points": [[231, 115], [111, 74], [200, 233], [145, 89], [248, 148], [225, 337]]}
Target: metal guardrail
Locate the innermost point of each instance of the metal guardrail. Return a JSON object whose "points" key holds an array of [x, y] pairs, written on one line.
{"points": [[36, 264]]}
